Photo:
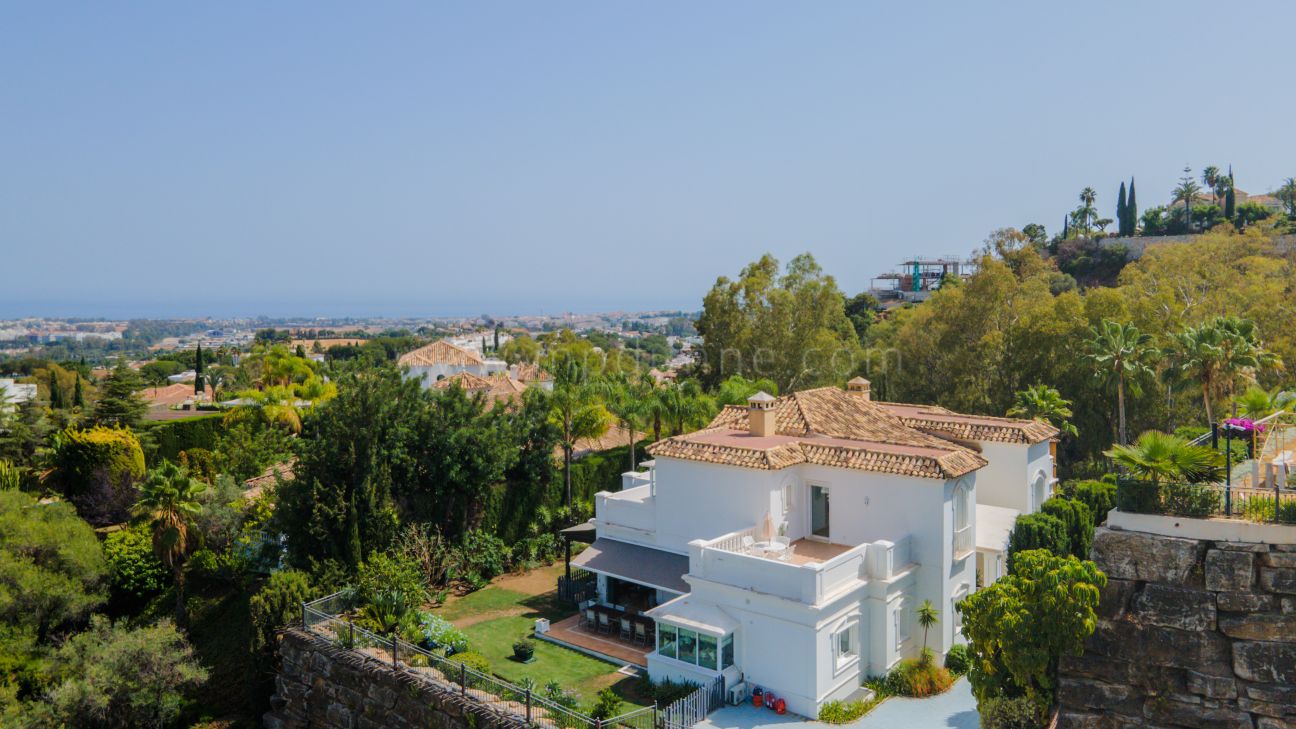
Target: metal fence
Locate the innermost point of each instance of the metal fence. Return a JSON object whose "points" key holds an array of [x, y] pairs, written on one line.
{"points": [[324, 617], [1204, 501], [693, 708], [578, 587]]}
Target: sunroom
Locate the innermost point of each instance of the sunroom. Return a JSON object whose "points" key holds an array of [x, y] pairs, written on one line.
{"points": [[695, 641]]}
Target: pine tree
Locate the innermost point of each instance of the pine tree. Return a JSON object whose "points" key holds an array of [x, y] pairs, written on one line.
{"points": [[1131, 210], [1121, 217], [55, 393], [78, 397], [198, 372]]}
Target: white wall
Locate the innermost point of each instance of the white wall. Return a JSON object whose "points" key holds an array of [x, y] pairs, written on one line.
{"points": [[703, 501], [1007, 480]]}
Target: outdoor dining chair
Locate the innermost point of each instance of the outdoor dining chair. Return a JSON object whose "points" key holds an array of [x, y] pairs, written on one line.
{"points": [[626, 633], [641, 634], [748, 543], [588, 619], [604, 626]]}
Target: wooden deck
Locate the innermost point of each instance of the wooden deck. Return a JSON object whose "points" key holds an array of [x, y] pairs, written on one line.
{"points": [[609, 646]]}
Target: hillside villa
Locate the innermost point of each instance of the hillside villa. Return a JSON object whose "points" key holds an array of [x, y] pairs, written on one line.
{"points": [[441, 358], [787, 544]]}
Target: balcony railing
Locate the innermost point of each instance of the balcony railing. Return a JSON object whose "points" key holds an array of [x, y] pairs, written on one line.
{"points": [[1205, 501], [963, 541]]}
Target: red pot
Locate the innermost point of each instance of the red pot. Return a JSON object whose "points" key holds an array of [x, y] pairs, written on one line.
{"points": [[756, 700], [780, 707], [769, 700]]}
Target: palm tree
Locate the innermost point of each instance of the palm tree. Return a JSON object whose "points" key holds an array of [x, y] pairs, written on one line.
{"points": [[928, 616], [1187, 191], [277, 404], [1287, 194], [1211, 179], [1257, 403], [1086, 213], [1046, 404], [1196, 353], [627, 397], [575, 408], [169, 501], [1158, 457], [682, 407], [1244, 353], [1121, 353]]}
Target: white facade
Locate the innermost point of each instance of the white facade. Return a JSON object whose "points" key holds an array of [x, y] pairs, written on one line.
{"points": [[811, 627], [13, 394], [429, 374]]}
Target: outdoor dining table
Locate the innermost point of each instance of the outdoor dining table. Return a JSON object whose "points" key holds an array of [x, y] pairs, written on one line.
{"points": [[775, 548]]}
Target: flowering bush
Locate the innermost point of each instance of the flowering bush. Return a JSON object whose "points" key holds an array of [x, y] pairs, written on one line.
{"points": [[1238, 427]]}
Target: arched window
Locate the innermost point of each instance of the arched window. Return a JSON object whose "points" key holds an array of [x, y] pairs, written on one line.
{"points": [[1039, 491], [963, 506]]}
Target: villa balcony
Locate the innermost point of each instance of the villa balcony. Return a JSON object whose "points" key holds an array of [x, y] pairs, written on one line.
{"points": [[807, 571], [629, 514]]}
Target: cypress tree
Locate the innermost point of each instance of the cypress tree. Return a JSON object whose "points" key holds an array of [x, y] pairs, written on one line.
{"points": [[1230, 204], [1066, 223], [496, 339], [483, 344], [55, 394], [1131, 210], [198, 372], [78, 397], [1121, 218]]}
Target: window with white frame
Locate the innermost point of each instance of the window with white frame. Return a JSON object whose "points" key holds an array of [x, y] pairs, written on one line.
{"points": [[786, 496], [901, 623], [846, 643], [962, 517]]}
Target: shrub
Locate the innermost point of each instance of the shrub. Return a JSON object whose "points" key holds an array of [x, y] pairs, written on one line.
{"points": [[523, 649], [134, 569], [957, 660], [440, 633], [395, 579], [917, 678], [475, 661], [841, 712], [482, 555], [1099, 496], [1038, 531], [1017, 712], [175, 436], [276, 604], [1078, 520], [1139, 497], [665, 691], [607, 705], [1191, 500], [97, 470]]}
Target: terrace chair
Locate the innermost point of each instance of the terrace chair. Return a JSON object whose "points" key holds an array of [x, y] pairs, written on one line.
{"points": [[748, 543], [787, 553], [782, 540], [641, 634], [604, 625], [626, 633], [587, 619]]}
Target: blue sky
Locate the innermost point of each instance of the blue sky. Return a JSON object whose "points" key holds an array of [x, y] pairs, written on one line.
{"points": [[431, 158]]}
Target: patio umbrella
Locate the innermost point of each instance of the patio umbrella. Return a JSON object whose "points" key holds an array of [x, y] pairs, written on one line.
{"points": [[767, 527]]}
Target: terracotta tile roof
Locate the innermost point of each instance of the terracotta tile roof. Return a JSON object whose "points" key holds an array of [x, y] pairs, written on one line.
{"points": [[971, 427], [171, 394], [440, 352], [528, 372], [829, 427], [498, 386], [254, 487]]}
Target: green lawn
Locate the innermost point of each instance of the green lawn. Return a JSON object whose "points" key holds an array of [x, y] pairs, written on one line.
{"points": [[497, 615]]}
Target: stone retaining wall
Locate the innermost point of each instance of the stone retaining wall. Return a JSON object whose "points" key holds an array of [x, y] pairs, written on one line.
{"points": [[1191, 633], [322, 686]]}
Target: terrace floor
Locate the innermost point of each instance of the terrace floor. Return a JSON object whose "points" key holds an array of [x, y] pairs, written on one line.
{"points": [[569, 632]]}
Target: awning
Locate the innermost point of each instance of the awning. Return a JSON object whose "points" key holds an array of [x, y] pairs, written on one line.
{"points": [[644, 565], [583, 533], [687, 612], [993, 523]]}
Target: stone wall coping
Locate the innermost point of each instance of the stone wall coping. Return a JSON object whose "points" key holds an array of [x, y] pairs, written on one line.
{"points": [[1212, 530]]}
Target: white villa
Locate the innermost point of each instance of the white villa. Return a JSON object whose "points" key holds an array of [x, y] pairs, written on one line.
{"points": [[441, 359], [788, 543]]}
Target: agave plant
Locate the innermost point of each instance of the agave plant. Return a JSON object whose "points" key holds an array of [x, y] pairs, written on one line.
{"points": [[1159, 457]]}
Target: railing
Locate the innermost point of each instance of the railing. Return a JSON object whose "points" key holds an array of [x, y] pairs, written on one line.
{"points": [[323, 617], [581, 585], [1205, 501], [962, 541], [693, 708], [733, 541]]}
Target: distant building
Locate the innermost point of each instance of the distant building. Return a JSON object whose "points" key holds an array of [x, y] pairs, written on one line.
{"points": [[918, 277], [441, 359], [13, 394]]}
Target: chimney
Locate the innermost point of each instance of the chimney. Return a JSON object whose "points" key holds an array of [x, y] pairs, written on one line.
{"points": [[859, 387], [760, 414]]}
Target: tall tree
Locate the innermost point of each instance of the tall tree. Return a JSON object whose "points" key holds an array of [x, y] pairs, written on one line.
{"points": [[1211, 179], [1186, 192], [169, 501], [55, 392], [78, 394], [1131, 211], [1287, 195], [627, 396], [118, 402], [1123, 354], [1120, 210], [198, 371], [576, 410]]}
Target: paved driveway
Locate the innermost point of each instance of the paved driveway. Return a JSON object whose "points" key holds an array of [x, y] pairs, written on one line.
{"points": [[954, 709]]}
